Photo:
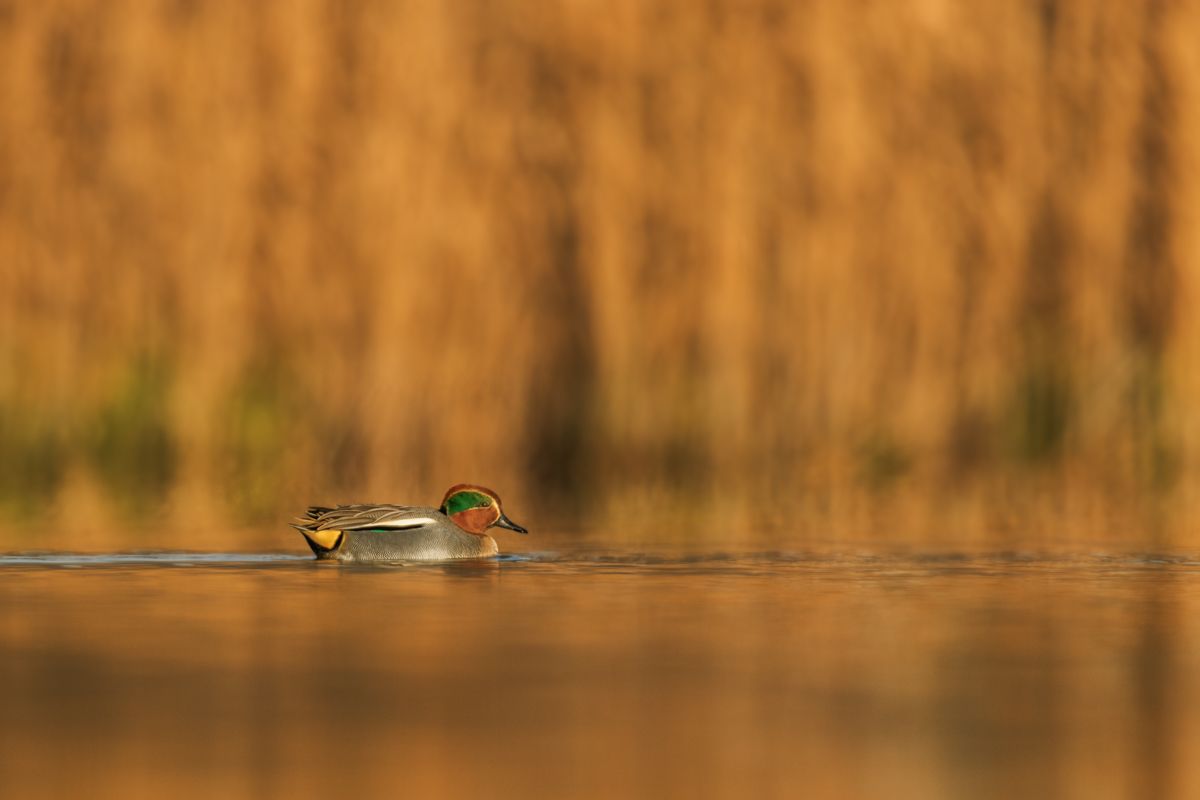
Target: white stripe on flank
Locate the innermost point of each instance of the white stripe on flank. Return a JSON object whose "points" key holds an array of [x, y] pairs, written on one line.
{"points": [[403, 524]]}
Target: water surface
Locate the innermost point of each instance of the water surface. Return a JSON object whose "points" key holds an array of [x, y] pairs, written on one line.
{"points": [[600, 674]]}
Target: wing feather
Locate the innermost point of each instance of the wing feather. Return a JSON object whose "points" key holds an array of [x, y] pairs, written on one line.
{"points": [[366, 517]]}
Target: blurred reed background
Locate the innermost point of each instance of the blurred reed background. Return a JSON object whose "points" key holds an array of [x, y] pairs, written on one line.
{"points": [[736, 271]]}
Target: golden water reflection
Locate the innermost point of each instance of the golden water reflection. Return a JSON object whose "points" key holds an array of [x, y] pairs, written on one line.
{"points": [[618, 675]]}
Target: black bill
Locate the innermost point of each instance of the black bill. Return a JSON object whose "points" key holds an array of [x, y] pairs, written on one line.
{"points": [[505, 522]]}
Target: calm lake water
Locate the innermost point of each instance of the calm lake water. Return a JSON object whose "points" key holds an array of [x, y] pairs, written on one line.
{"points": [[600, 674]]}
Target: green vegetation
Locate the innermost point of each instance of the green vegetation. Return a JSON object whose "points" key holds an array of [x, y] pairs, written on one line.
{"points": [[33, 458], [260, 419], [128, 441]]}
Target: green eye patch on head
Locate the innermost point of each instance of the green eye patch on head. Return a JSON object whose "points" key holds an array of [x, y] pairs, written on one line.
{"points": [[462, 501]]}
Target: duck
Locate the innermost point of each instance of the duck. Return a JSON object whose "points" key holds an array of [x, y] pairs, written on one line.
{"points": [[370, 532]]}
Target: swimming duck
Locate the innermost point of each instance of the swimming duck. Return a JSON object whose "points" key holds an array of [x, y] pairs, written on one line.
{"points": [[457, 529]]}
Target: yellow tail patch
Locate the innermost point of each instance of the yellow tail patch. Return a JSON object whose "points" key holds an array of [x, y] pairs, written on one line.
{"points": [[324, 539]]}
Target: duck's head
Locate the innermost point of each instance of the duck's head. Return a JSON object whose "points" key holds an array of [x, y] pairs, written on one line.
{"points": [[475, 509]]}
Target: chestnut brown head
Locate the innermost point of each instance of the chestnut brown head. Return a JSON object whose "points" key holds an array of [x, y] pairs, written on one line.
{"points": [[475, 509]]}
